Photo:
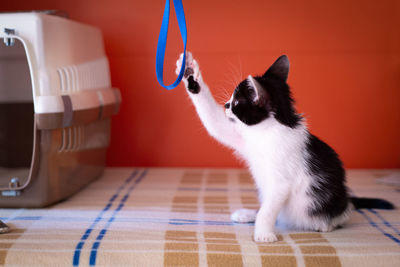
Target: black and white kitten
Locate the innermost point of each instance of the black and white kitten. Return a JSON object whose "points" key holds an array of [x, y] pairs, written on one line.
{"points": [[300, 179]]}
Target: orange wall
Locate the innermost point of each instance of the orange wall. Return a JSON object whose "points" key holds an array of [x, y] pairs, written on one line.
{"points": [[345, 66]]}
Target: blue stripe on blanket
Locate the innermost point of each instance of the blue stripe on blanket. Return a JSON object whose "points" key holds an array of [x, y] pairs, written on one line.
{"points": [[158, 221], [96, 244], [215, 189], [386, 223], [200, 222], [85, 236], [371, 222], [154, 220], [131, 220], [23, 218]]}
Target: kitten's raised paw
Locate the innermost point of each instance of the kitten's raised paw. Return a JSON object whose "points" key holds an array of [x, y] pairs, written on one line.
{"points": [[244, 216], [192, 68], [265, 237], [191, 76]]}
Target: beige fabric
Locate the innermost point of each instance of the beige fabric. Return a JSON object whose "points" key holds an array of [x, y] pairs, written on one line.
{"points": [[180, 217]]}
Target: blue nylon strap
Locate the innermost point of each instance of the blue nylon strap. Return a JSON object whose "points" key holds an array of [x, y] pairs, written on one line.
{"points": [[162, 42]]}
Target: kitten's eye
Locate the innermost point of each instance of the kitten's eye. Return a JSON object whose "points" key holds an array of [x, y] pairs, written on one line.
{"points": [[239, 101]]}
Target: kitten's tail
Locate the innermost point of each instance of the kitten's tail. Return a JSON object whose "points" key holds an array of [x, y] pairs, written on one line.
{"points": [[371, 203]]}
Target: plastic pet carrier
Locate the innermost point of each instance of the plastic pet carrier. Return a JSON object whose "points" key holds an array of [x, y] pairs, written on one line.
{"points": [[56, 103]]}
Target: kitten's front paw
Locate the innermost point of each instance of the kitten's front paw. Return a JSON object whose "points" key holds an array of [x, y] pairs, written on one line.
{"points": [[264, 236], [324, 228], [244, 216], [192, 74]]}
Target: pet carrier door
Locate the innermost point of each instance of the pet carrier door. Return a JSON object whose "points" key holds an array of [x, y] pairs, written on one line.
{"points": [[16, 116]]}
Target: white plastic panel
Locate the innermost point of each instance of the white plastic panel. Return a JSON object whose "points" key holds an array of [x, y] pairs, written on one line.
{"points": [[49, 104], [65, 58]]}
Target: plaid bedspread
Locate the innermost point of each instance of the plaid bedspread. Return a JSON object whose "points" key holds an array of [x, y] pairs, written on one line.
{"points": [[181, 217]]}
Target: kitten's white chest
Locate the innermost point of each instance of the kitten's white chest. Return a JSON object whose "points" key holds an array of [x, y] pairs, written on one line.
{"points": [[267, 149], [264, 155], [275, 157]]}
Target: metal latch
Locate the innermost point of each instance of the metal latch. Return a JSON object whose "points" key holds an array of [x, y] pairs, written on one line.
{"points": [[9, 41], [14, 183]]}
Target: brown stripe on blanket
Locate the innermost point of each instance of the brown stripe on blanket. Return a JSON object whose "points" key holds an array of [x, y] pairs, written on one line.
{"points": [[217, 209], [318, 250], [221, 259], [181, 236], [216, 204], [181, 246], [275, 249], [181, 249], [318, 261], [185, 199], [316, 255], [216, 200], [221, 238], [181, 259], [245, 178], [249, 201], [281, 261], [192, 178], [302, 238], [279, 247], [184, 208], [7, 241], [184, 203], [230, 236], [217, 178], [223, 249]]}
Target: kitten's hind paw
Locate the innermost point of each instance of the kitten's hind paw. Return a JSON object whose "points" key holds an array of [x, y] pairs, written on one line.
{"points": [[244, 216]]}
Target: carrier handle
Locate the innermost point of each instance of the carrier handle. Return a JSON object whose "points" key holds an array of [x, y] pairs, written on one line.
{"points": [[15, 188], [11, 35]]}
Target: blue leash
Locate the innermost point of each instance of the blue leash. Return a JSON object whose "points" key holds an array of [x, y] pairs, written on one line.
{"points": [[162, 42]]}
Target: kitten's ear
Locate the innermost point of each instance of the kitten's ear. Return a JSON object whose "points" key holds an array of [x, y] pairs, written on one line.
{"points": [[260, 94], [280, 69]]}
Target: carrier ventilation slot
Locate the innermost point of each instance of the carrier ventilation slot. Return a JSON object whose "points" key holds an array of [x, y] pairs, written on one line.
{"points": [[90, 75], [71, 139]]}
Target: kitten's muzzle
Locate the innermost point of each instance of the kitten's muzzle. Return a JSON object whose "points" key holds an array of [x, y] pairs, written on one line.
{"points": [[228, 112]]}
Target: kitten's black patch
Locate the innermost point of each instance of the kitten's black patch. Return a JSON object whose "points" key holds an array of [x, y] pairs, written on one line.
{"points": [[278, 98], [243, 106], [328, 186], [281, 101], [193, 86]]}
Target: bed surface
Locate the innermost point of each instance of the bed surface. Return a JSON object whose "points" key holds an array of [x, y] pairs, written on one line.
{"points": [[181, 217]]}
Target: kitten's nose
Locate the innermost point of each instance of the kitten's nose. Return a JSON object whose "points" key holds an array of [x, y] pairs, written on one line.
{"points": [[227, 105]]}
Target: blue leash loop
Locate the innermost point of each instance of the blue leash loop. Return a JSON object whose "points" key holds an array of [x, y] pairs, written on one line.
{"points": [[162, 42]]}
